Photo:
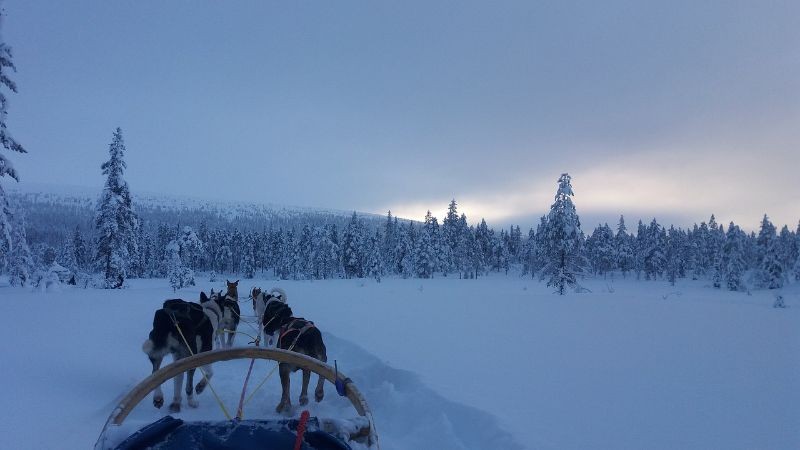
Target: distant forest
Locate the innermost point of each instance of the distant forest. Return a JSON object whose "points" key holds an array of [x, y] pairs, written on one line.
{"points": [[179, 242]]}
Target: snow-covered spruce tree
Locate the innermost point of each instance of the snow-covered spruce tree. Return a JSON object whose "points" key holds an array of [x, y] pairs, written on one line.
{"points": [[696, 246], [426, 251], [732, 260], [334, 264], [640, 249], [450, 237], [796, 267], [787, 250], [9, 143], [325, 257], [236, 243], [623, 248], [673, 255], [276, 249], [179, 275], [405, 250], [82, 255], [374, 259], [514, 244], [305, 249], [20, 261], [477, 263], [601, 250], [540, 248], [248, 263], [115, 222], [147, 262], [564, 261], [66, 255], [716, 239], [389, 244], [482, 239], [765, 236], [462, 257], [191, 248], [528, 254], [288, 268], [352, 247], [653, 252], [500, 253], [771, 274], [164, 236]]}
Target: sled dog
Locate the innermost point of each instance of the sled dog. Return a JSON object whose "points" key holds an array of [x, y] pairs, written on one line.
{"points": [[260, 301], [231, 314], [301, 336], [182, 328]]}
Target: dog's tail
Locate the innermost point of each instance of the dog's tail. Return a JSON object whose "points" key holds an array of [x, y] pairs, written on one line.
{"points": [[148, 346], [280, 293], [158, 336]]}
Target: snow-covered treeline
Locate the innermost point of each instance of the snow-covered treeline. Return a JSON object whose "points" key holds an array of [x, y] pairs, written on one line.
{"points": [[556, 250]]}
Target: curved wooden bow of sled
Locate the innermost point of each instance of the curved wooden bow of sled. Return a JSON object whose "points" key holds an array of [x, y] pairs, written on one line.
{"points": [[141, 390]]}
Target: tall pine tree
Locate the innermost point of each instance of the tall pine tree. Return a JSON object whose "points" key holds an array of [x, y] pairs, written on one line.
{"points": [[9, 143], [115, 222], [564, 261]]}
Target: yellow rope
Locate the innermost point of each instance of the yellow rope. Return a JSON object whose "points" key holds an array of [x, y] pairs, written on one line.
{"points": [[241, 319], [202, 371], [260, 384], [291, 347]]}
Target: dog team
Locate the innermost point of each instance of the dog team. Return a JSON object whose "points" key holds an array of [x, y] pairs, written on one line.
{"points": [[183, 328]]}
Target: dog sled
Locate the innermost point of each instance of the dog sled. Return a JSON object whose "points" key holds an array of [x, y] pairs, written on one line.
{"points": [[308, 433]]}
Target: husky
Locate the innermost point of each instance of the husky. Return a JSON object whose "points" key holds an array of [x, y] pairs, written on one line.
{"points": [[182, 328], [298, 335], [260, 301], [231, 315]]}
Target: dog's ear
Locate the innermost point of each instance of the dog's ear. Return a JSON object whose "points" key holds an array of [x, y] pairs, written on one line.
{"points": [[236, 283], [212, 291], [204, 297]]}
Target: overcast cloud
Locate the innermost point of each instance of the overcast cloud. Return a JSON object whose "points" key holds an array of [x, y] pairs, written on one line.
{"points": [[672, 109]]}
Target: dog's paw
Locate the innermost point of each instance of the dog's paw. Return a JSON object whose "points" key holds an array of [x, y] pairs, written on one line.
{"points": [[158, 402], [284, 406], [319, 394], [175, 407], [303, 400], [201, 386], [192, 402]]}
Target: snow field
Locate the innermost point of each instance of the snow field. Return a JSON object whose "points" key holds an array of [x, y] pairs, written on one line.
{"points": [[497, 362]]}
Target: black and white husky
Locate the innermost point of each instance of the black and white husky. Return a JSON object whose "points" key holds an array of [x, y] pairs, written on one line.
{"points": [[182, 328], [261, 300]]}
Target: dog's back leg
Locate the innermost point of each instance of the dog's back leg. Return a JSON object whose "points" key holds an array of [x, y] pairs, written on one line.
{"points": [[304, 389], [284, 370], [175, 406], [322, 355], [190, 399]]}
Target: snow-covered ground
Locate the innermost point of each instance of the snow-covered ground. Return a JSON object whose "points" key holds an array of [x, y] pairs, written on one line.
{"points": [[497, 362]]}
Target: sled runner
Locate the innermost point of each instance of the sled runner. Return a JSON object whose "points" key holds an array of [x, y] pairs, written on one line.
{"points": [[309, 433]]}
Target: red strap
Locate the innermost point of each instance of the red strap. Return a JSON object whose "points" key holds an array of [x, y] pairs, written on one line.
{"points": [[301, 429]]}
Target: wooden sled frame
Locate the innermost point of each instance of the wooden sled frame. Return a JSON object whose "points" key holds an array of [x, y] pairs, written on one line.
{"points": [[157, 378]]}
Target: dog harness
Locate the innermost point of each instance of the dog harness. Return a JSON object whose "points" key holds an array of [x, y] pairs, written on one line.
{"points": [[179, 309], [298, 325]]}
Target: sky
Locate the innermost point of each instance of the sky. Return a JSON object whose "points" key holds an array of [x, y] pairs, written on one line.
{"points": [[673, 110]]}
